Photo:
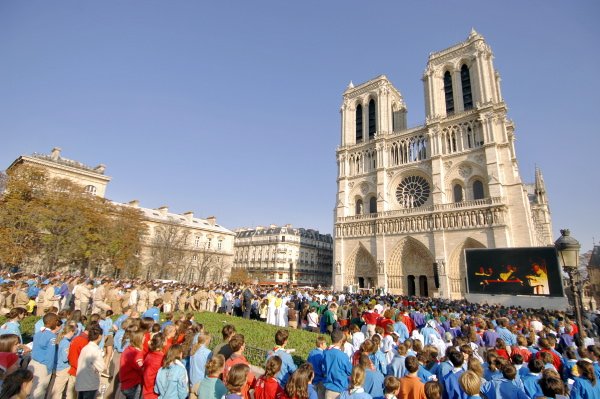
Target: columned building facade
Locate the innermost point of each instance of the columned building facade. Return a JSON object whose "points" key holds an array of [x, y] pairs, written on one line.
{"points": [[281, 255], [411, 200]]}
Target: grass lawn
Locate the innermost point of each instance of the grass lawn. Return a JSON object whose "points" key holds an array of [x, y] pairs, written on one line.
{"points": [[259, 336]]}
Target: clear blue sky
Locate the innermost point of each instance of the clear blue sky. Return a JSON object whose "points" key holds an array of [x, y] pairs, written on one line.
{"points": [[231, 108]]}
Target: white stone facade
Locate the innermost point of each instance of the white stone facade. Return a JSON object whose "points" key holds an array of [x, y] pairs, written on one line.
{"points": [[92, 179], [411, 200], [285, 255], [201, 251]]}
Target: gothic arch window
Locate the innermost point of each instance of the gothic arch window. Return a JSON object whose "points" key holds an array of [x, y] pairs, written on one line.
{"points": [[470, 138], [457, 192], [373, 205], [359, 207], [90, 189], [394, 154], [372, 119], [478, 190], [448, 93], [465, 81], [359, 123]]}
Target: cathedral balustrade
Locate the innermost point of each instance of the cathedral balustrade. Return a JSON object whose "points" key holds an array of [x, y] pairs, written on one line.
{"points": [[426, 209], [457, 219]]}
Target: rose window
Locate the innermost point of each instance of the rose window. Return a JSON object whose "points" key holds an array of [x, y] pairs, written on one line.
{"points": [[412, 192]]}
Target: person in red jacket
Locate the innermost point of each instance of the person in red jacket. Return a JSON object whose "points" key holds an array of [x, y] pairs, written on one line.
{"points": [[152, 364], [237, 344], [370, 318], [132, 361], [267, 386], [75, 348], [146, 327], [546, 345], [386, 320]]}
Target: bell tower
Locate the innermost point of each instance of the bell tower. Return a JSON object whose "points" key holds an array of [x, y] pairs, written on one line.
{"points": [[461, 77]]}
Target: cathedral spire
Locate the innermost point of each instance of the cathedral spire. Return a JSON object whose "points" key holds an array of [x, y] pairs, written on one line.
{"points": [[540, 186]]}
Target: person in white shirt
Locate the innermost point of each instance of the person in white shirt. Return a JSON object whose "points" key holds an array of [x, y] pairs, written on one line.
{"points": [[313, 320], [90, 365]]}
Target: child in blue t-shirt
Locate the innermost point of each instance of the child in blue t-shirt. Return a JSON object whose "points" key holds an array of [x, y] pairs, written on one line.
{"points": [[61, 379]]}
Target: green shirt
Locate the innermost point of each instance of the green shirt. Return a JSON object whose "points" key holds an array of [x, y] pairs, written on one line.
{"points": [[211, 388]]}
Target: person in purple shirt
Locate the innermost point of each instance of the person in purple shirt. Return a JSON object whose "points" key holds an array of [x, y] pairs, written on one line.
{"points": [[418, 318], [490, 336]]}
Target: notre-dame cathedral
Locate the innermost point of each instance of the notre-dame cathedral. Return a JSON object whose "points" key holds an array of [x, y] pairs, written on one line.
{"points": [[410, 200]]}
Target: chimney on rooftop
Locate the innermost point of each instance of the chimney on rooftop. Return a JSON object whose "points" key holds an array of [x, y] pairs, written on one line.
{"points": [[55, 154], [100, 168], [211, 220], [134, 203], [163, 210], [189, 216]]}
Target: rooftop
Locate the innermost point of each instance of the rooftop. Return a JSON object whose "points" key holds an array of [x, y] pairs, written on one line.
{"points": [[55, 157]]}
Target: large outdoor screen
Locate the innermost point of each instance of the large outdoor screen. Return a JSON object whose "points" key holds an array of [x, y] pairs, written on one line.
{"points": [[514, 271]]}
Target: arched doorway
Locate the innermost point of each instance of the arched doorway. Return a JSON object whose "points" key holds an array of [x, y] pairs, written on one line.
{"points": [[411, 286], [410, 258], [423, 287], [457, 271], [361, 269]]}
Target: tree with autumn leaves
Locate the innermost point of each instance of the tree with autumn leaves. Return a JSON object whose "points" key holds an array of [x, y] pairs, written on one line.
{"points": [[52, 224]]}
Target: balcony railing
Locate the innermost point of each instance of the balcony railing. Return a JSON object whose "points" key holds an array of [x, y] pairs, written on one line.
{"points": [[426, 209]]}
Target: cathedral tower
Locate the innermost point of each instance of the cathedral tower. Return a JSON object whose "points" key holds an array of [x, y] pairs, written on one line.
{"points": [[411, 200]]}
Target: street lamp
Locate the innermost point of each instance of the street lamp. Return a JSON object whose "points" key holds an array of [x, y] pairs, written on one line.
{"points": [[567, 249]]}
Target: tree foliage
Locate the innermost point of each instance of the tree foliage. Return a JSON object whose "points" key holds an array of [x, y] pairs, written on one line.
{"points": [[52, 224], [240, 276]]}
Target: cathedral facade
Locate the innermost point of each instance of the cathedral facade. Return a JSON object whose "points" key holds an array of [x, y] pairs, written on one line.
{"points": [[410, 200]]}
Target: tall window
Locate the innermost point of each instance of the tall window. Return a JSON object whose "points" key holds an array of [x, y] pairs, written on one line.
{"points": [[372, 120], [448, 93], [359, 207], [359, 123], [373, 205], [90, 189], [458, 193], [478, 190], [220, 244], [465, 80]]}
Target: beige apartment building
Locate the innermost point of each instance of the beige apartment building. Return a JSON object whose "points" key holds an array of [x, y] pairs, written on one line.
{"points": [[282, 255], [176, 246], [410, 200], [92, 179]]}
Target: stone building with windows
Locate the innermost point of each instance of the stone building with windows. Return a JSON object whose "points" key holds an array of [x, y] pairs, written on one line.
{"points": [[410, 200], [92, 179], [593, 283], [283, 255], [184, 247], [180, 247]]}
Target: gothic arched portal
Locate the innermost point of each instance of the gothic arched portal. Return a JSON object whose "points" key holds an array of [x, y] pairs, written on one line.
{"points": [[410, 269], [457, 270], [361, 269]]}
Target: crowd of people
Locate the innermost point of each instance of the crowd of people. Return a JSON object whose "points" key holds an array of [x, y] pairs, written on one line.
{"points": [[131, 339]]}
